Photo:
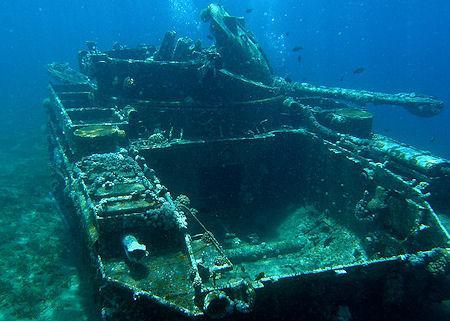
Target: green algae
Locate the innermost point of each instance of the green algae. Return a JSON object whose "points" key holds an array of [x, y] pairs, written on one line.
{"points": [[94, 131], [355, 113]]}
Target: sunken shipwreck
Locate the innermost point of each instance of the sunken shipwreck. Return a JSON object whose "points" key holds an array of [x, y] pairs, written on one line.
{"points": [[203, 187]]}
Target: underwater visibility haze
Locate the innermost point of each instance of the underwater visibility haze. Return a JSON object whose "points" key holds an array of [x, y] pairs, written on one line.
{"points": [[242, 160]]}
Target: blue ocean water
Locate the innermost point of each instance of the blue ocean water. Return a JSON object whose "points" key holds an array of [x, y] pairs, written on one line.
{"points": [[403, 46]]}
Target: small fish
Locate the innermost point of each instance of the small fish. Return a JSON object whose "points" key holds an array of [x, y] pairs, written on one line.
{"points": [[288, 79], [432, 139], [359, 70], [210, 37], [341, 79], [299, 59], [287, 33], [249, 10], [297, 48], [260, 276]]}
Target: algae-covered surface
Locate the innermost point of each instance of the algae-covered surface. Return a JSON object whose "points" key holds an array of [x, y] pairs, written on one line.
{"points": [[39, 279], [354, 113], [93, 131]]}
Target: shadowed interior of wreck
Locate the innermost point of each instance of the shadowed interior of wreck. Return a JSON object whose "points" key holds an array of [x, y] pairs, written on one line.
{"points": [[252, 193]]}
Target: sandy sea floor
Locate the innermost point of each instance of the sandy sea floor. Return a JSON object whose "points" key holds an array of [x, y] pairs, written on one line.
{"points": [[38, 279]]}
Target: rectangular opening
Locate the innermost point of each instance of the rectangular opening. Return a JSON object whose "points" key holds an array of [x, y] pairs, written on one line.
{"points": [[85, 116], [291, 203]]}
